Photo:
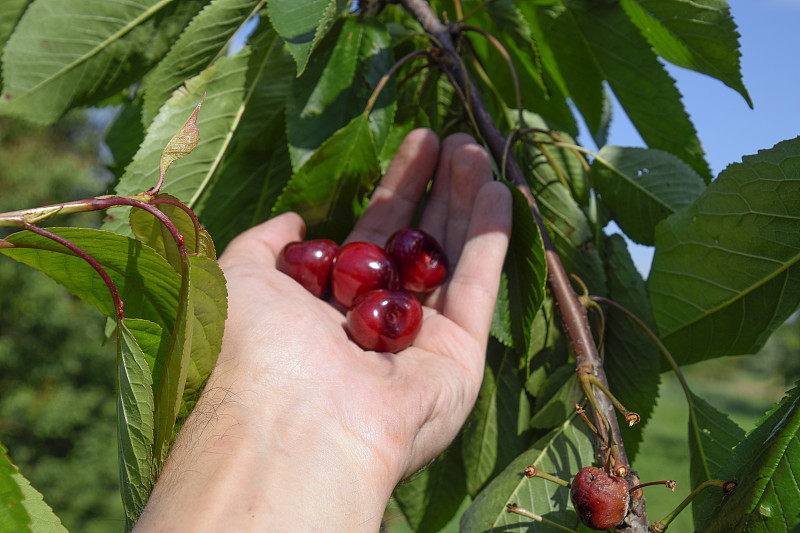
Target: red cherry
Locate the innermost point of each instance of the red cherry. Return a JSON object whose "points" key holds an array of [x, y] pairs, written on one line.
{"points": [[360, 267], [309, 263], [600, 499], [420, 260], [384, 320]]}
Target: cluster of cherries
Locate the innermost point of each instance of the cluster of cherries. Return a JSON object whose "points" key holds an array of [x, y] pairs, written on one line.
{"points": [[376, 285]]}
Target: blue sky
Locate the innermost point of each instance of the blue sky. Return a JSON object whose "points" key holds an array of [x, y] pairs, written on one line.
{"points": [[727, 127]]}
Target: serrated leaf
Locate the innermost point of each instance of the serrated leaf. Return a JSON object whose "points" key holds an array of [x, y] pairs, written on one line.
{"points": [[632, 358], [725, 269], [501, 318], [181, 144], [765, 465], [561, 452], [147, 284], [65, 53], [601, 39], [642, 187], [302, 24], [134, 421], [555, 398], [526, 271], [698, 35], [22, 508], [210, 296], [493, 435], [330, 189], [341, 76], [230, 84], [10, 13], [431, 498], [204, 40], [712, 438]]}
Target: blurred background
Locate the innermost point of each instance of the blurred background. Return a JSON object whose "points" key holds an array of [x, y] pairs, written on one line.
{"points": [[57, 411]]}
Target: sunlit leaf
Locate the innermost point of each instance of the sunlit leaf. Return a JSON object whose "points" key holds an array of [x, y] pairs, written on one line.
{"points": [[561, 452], [205, 39], [698, 35], [134, 421], [642, 187], [765, 466], [329, 191], [725, 270], [303, 23], [182, 143], [67, 53]]}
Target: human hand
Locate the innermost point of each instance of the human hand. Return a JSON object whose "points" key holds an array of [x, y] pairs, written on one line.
{"points": [[307, 407]]}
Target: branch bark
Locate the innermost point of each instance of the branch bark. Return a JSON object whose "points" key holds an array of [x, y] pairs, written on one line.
{"points": [[573, 314]]}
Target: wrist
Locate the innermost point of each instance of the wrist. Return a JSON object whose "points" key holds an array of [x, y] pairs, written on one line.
{"points": [[247, 461]]}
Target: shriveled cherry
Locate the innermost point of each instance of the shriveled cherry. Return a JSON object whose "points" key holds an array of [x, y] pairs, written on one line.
{"points": [[384, 320], [360, 267], [421, 262], [600, 499], [309, 263]]}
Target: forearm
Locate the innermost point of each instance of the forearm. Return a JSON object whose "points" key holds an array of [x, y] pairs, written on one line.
{"points": [[234, 469]]}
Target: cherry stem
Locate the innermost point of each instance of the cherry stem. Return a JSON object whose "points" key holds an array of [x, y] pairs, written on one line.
{"points": [[511, 508], [503, 52], [630, 417], [80, 252], [669, 483], [675, 368], [531, 472], [727, 488], [386, 77], [582, 413]]}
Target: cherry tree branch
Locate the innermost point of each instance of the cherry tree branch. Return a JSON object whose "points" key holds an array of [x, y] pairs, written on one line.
{"points": [[573, 314]]}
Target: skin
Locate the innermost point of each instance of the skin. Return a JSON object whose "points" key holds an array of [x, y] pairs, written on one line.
{"points": [[299, 429]]}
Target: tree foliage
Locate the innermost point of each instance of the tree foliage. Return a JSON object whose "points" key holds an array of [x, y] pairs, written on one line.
{"points": [[307, 115]]}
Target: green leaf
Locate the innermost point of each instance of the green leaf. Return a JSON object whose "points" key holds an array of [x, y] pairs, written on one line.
{"points": [[632, 358], [765, 466], [329, 191], [431, 498], [725, 270], [698, 35], [605, 40], [556, 397], [65, 53], [210, 298], [567, 57], [134, 421], [230, 84], [712, 438], [493, 434], [147, 284], [642, 187], [22, 508], [302, 24], [561, 452], [341, 76], [204, 40], [10, 13], [526, 271]]}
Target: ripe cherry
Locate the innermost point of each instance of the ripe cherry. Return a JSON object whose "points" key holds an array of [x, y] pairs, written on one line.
{"points": [[360, 267], [600, 499], [420, 260], [384, 320], [309, 263]]}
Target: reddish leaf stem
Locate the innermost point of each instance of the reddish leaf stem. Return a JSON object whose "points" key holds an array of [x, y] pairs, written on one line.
{"points": [[80, 252]]}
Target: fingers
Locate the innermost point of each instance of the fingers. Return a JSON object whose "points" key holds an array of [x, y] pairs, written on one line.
{"points": [[471, 293], [395, 199], [262, 243]]}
